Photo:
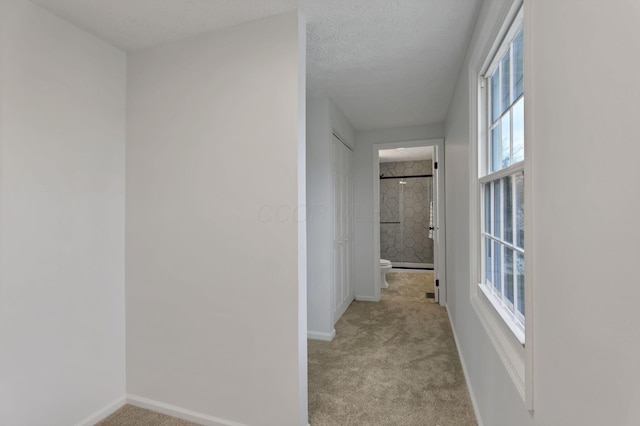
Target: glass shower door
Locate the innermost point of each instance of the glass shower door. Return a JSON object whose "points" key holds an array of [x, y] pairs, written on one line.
{"points": [[405, 212]]}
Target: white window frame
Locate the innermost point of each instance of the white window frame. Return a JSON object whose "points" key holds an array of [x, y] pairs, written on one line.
{"points": [[507, 335], [512, 318]]}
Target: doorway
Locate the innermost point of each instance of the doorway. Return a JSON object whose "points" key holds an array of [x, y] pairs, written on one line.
{"points": [[409, 210]]}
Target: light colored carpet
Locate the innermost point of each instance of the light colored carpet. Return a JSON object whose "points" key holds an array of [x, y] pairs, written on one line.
{"points": [[391, 363], [409, 287], [130, 415]]}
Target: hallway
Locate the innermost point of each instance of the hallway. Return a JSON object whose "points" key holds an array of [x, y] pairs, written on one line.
{"points": [[391, 363]]}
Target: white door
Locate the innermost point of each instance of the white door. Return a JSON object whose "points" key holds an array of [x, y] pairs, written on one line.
{"points": [[343, 288]]}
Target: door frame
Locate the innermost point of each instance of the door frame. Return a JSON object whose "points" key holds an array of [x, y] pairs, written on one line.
{"points": [[440, 231]]}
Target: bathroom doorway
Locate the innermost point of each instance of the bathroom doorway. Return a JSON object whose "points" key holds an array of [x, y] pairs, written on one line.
{"points": [[409, 225], [406, 204]]}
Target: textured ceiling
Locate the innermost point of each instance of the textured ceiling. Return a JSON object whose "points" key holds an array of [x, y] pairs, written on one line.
{"points": [[136, 24], [387, 63], [406, 154]]}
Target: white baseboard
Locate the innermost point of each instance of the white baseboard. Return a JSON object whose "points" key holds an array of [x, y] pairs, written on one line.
{"points": [[316, 335], [178, 412], [103, 413], [464, 370], [366, 299]]}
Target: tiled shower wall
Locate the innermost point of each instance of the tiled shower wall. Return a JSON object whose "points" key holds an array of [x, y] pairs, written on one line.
{"points": [[404, 212]]}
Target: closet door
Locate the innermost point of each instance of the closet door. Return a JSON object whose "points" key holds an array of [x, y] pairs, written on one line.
{"points": [[343, 288]]}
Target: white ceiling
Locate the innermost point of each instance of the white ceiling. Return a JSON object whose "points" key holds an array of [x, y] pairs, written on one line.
{"points": [[388, 63], [385, 63], [136, 24], [406, 154]]}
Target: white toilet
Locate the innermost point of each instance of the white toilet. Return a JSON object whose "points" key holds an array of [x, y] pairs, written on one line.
{"points": [[385, 266]]}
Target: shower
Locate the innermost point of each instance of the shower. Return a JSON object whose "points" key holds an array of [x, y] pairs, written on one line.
{"points": [[406, 194]]}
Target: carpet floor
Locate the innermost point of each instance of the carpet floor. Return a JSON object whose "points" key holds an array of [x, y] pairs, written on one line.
{"points": [[391, 363], [130, 415], [409, 287]]}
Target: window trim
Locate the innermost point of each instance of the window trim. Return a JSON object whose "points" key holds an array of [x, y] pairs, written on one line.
{"points": [[516, 357], [505, 314], [513, 318]]}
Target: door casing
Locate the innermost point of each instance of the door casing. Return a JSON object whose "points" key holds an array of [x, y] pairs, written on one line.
{"points": [[439, 213]]}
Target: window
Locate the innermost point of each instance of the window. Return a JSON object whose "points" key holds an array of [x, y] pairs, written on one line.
{"points": [[501, 180], [497, 197]]}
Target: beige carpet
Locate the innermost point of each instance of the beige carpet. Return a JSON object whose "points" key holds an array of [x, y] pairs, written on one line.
{"points": [[392, 363], [409, 287], [136, 416]]}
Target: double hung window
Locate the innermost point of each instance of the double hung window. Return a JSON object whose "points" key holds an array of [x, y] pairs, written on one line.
{"points": [[501, 181]]}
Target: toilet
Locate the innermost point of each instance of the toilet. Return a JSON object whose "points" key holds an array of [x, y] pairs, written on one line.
{"points": [[385, 266]]}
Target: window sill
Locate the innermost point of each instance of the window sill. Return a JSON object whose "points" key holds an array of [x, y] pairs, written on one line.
{"points": [[509, 347], [506, 316]]}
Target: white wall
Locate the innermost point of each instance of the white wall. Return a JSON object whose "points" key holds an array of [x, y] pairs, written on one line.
{"points": [[323, 118], [583, 96], [364, 214], [341, 125], [303, 383], [62, 146], [212, 236], [319, 219]]}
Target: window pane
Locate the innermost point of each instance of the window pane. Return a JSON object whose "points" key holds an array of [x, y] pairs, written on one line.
{"points": [[507, 204], [495, 149], [508, 274], [497, 267], [488, 269], [497, 217], [505, 79], [520, 209], [520, 281], [487, 208], [518, 66], [518, 131], [506, 141], [495, 96]]}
